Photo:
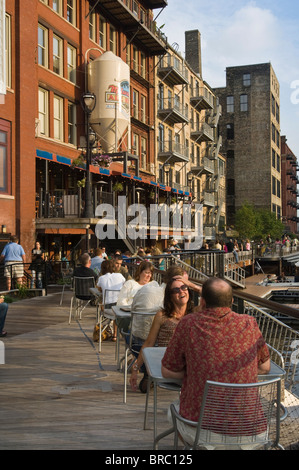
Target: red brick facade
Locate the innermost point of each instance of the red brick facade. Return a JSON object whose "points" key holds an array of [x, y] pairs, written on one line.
{"points": [[289, 180]]}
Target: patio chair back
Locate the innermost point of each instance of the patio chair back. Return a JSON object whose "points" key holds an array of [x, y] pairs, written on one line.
{"points": [[234, 416]]}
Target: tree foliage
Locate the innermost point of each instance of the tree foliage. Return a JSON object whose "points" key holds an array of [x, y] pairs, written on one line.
{"points": [[257, 224]]}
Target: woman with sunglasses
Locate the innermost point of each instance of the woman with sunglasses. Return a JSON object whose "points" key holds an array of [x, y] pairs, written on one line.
{"points": [[177, 304]]}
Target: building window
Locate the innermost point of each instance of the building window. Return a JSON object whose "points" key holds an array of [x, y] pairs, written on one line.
{"points": [[128, 55], [273, 133], [230, 187], [71, 63], [230, 104], [102, 33], [42, 46], [58, 118], [246, 79], [273, 158], [278, 188], [57, 6], [243, 103], [230, 134], [135, 59], [142, 108], [71, 12], [8, 50], [278, 163], [135, 104], [92, 26], [5, 158], [142, 65], [57, 55], [273, 185], [72, 130], [143, 153], [135, 147], [43, 111], [113, 39]]}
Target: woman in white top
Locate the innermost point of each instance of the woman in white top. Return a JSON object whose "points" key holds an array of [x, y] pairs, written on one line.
{"points": [[143, 275]]}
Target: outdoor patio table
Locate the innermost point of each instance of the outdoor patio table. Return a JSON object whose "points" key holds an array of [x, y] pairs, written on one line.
{"points": [[152, 359], [123, 311]]}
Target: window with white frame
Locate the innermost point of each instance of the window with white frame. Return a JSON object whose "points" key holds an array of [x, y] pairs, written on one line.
{"points": [[8, 50], [135, 147], [43, 111], [142, 116], [128, 55], [71, 63], [57, 55], [135, 104], [102, 33], [142, 65], [92, 26], [71, 11], [43, 45], [135, 59], [5, 157], [72, 130], [58, 118], [57, 6], [113, 39], [143, 153]]}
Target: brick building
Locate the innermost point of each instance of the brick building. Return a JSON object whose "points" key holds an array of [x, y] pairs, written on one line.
{"points": [[289, 182], [49, 45], [250, 128]]}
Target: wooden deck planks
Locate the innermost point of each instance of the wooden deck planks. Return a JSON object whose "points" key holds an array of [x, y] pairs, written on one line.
{"points": [[57, 392]]}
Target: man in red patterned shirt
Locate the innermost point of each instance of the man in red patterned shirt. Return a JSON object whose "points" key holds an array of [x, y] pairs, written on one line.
{"points": [[215, 344]]}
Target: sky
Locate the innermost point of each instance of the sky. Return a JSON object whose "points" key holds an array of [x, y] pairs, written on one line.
{"points": [[243, 32]]}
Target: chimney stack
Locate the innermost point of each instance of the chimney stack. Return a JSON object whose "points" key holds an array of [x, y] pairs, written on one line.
{"points": [[193, 50]]}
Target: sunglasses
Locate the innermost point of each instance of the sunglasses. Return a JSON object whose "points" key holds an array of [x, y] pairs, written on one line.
{"points": [[177, 290]]}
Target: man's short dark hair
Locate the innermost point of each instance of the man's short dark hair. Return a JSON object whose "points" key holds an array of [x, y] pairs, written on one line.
{"points": [[85, 259], [217, 293]]}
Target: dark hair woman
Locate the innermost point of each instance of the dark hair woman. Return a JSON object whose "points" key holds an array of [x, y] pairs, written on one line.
{"points": [[177, 304]]}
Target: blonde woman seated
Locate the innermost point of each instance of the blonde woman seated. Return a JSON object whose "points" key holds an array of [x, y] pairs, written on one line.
{"points": [[177, 304]]}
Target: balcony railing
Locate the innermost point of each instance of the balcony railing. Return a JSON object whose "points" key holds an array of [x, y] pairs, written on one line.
{"points": [[202, 98], [172, 70], [173, 150], [171, 110], [203, 133], [67, 204], [137, 21]]}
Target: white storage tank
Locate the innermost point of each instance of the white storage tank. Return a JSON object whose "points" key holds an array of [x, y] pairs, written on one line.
{"points": [[109, 80]]}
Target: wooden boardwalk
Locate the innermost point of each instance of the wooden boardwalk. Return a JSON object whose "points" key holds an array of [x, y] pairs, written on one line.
{"points": [[57, 392]]}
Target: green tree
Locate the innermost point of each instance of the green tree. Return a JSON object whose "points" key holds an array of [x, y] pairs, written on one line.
{"points": [[245, 221], [268, 224], [257, 223]]}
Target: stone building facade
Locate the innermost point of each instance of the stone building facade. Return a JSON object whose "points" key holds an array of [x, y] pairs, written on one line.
{"points": [[250, 128]]}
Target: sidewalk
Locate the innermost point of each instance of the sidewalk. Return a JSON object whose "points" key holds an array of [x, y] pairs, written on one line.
{"points": [[57, 392]]}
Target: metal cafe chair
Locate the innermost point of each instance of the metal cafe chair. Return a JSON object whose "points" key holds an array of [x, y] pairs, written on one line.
{"points": [[234, 416], [131, 350], [81, 295]]}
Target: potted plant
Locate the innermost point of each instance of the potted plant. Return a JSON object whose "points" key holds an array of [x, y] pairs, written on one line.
{"points": [[117, 187], [81, 183], [79, 161], [101, 160]]}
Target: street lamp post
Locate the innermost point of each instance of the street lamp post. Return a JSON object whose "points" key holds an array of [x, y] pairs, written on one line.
{"points": [[88, 104]]}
